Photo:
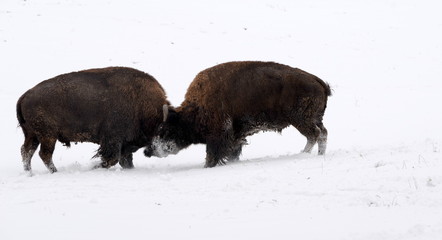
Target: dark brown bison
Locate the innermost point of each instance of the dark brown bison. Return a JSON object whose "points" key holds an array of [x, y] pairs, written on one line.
{"points": [[228, 102], [118, 108]]}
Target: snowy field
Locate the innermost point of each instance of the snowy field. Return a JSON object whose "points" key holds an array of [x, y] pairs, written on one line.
{"points": [[381, 177]]}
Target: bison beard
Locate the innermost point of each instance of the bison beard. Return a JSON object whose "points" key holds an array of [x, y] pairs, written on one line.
{"points": [[118, 108], [228, 102]]}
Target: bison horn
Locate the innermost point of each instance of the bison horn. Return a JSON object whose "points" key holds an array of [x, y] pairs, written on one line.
{"points": [[165, 112]]}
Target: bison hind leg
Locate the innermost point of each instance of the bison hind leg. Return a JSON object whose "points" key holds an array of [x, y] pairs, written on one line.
{"points": [[315, 133], [309, 145], [27, 151], [322, 139], [46, 150]]}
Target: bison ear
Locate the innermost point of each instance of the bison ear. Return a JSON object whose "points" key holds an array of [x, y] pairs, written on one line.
{"points": [[165, 112]]}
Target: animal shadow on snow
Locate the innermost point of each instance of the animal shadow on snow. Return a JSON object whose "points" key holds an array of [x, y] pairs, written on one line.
{"points": [[173, 166]]}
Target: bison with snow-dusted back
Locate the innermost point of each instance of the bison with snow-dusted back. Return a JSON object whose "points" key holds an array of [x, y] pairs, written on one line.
{"points": [[228, 102], [118, 108]]}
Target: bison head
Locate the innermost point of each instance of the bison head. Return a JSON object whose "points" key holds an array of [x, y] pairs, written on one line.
{"points": [[173, 135]]}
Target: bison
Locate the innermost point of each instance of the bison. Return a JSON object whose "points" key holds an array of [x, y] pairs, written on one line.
{"points": [[118, 108], [228, 102]]}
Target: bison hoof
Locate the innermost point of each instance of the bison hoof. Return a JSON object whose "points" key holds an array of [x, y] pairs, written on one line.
{"points": [[211, 164], [105, 165], [97, 165], [51, 167], [101, 165], [127, 164], [233, 159]]}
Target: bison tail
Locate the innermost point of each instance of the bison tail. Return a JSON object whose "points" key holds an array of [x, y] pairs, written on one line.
{"points": [[21, 119], [326, 87], [328, 90]]}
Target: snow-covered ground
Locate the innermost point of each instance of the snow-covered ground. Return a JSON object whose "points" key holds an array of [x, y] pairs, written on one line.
{"points": [[381, 177]]}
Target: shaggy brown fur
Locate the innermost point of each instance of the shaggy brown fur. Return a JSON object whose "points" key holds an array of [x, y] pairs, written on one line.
{"points": [[226, 103], [118, 108]]}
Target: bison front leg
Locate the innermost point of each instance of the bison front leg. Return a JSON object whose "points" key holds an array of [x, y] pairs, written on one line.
{"points": [[236, 151], [126, 161], [221, 146], [214, 154], [110, 154], [218, 150]]}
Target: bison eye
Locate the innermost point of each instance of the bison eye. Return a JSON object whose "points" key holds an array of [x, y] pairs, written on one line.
{"points": [[161, 129], [163, 133]]}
